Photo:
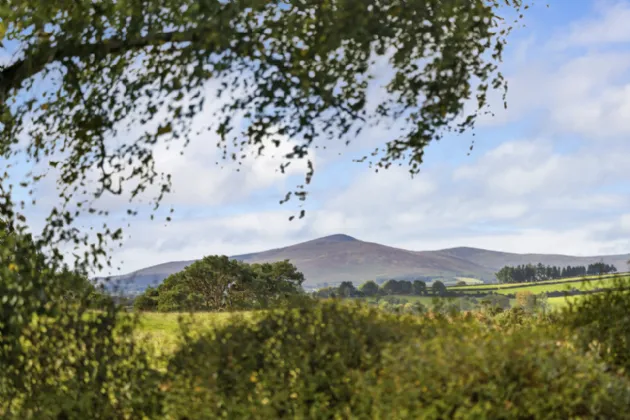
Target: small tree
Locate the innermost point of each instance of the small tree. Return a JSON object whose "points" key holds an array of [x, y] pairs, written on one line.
{"points": [[438, 288], [419, 288], [347, 289], [145, 303], [326, 292], [405, 287], [391, 287], [369, 288]]}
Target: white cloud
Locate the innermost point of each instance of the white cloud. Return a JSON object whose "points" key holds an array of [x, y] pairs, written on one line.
{"points": [[607, 25], [556, 188]]}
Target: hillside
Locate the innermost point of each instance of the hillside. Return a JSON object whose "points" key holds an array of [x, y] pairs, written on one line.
{"points": [[336, 258], [495, 260]]}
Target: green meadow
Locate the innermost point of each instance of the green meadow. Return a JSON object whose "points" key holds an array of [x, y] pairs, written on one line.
{"points": [[571, 282]]}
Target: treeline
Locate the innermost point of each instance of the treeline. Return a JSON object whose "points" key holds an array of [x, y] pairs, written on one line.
{"points": [[391, 287], [532, 273], [218, 283]]}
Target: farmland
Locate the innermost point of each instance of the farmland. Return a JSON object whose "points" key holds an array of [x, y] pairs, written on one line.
{"points": [[557, 282], [163, 327]]}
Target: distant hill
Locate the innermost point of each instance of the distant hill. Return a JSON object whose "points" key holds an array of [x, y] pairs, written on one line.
{"points": [[495, 260], [336, 258]]}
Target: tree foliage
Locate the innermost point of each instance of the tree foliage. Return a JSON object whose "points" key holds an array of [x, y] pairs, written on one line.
{"points": [[438, 288], [137, 71], [419, 287], [219, 283], [369, 288], [274, 282]]}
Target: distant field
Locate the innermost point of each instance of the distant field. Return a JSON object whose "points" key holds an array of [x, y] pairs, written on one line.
{"points": [[560, 302], [546, 288], [428, 301], [570, 281], [425, 300], [469, 280]]}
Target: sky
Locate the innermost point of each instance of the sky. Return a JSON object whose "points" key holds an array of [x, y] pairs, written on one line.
{"points": [[548, 175]]}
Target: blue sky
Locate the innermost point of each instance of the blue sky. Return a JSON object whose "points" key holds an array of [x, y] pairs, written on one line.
{"points": [[547, 175]]}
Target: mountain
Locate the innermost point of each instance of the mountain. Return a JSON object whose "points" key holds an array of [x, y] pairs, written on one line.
{"points": [[336, 258]]}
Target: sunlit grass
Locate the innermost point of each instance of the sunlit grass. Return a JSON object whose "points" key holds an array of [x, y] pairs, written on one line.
{"points": [[546, 288], [608, 277], [469, 280], [160, 333]]}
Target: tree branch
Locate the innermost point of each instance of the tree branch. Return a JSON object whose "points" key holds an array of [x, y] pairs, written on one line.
{"points": [[14, 75]]}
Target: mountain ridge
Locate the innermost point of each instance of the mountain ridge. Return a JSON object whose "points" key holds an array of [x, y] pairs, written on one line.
{"points": [[339, 257]]}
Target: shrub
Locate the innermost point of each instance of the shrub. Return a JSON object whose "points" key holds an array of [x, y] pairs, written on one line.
{"points": [[292, 363], [469, 372], [600, 322], [337, 360], [78, 366], [145, 303]]}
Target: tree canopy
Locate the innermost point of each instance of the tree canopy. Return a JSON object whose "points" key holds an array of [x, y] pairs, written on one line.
{"points": [[219, 283], [137, 70]]}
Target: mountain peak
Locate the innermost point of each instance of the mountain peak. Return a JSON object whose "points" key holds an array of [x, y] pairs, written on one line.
{"points": [[339, 237]]}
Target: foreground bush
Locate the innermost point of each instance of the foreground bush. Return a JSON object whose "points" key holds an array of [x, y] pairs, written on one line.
{"points": [[323, 360], [340, 361], [78, 366], [600, 323], [475, 374], [292, 363]]}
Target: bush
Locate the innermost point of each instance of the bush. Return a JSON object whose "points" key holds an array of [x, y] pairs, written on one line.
{"points": [[292, 363], [393, 300], [78, 366], [469, 372], [600, 323], [337, 360], [145, 303]]}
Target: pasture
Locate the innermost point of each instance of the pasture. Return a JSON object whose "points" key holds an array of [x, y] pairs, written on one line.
{"points": [[558, 282], [469, 280]]}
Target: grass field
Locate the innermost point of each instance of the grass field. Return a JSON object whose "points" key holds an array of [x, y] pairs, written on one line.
{"points": [[545, 288], [159, 331], [560, 302], [425, 300], [556, 281], [429, 301], [469, 280]]}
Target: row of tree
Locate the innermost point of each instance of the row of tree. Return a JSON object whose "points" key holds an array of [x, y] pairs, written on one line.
{"points": [[391, 287], [530, 273], [219, 283]]}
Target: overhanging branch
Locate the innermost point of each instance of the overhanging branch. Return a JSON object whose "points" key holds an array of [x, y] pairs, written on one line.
{"points": [[12, 76]]}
